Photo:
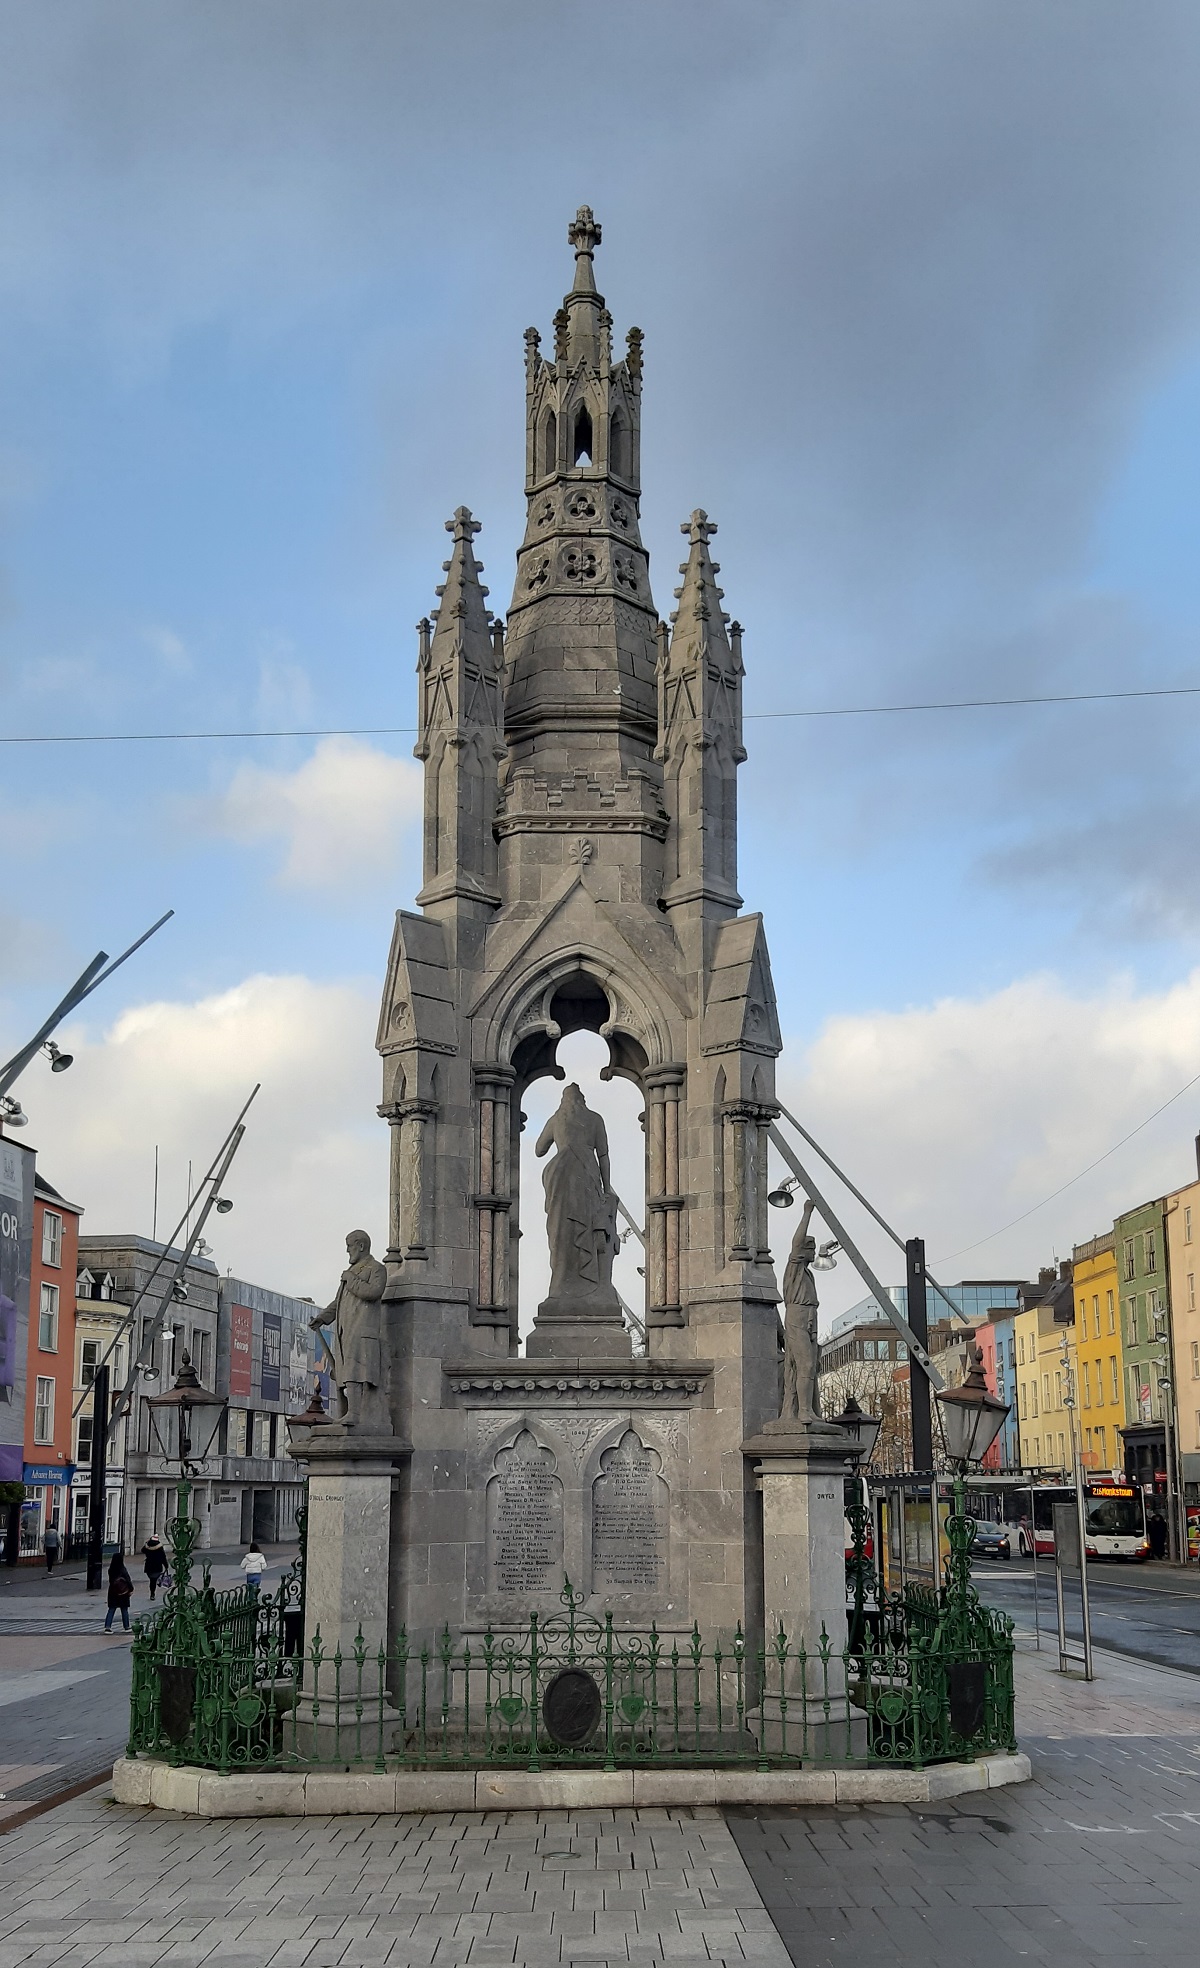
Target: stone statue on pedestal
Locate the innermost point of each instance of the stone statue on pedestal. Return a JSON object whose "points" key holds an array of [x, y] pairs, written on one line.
{"points": [[357, 1320], [581, 1210]]}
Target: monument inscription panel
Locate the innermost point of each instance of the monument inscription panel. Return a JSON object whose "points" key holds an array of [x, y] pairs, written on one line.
{"points": [[525, 1521], [629, 1520]]}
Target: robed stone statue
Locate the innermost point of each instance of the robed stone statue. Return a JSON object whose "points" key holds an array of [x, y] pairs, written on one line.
{"points": [[581, 1209], [801, 1349], [356, 1315]]}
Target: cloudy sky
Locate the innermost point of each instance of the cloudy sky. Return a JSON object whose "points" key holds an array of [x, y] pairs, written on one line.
{"points": [[920, 284]]}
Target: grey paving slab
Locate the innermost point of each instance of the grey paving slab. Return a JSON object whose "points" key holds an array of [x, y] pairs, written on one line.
{"points": [[91, 1882], [1097, 1860]]}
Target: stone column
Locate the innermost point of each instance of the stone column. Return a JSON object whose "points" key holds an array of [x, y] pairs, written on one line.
{"points": [[408, 1227], [800, 1475], [351, 1480], [741, 1133], [664, 1204], [493, 1205]]}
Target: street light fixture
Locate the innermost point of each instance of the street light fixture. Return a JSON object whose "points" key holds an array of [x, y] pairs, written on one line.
{"points": [[59, 1061], [782, 1198], [11, 1112], [189, 1401], [863, 1430], [970, 1416]]}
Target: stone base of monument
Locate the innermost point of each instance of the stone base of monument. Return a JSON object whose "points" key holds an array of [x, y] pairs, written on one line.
{"points": [[336, 1793], [351, 1476], [801, 1472], [580, 1328]]}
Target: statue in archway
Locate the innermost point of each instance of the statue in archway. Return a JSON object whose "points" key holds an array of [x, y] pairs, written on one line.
{"points": [[581, 1209]]}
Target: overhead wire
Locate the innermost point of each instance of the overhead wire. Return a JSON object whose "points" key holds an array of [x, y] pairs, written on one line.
{"points": [[409, 730]]}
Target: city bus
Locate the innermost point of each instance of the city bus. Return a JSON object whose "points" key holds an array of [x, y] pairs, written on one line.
{"points": [[1114, 1514]]}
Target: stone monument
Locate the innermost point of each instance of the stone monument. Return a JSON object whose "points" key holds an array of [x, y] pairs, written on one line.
{"points": [[580, 873]]}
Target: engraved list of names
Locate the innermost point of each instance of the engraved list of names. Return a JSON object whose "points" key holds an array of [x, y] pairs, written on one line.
{"points": [[629, 1521], [525, 1521]]}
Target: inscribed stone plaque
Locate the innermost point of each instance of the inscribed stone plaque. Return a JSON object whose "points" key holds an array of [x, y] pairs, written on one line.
{"points": [[629, 1520], [525, 1520]]}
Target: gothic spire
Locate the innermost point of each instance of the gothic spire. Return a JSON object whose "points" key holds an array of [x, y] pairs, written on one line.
{"points": [[460, 735], [582, 623], [700, 732]]}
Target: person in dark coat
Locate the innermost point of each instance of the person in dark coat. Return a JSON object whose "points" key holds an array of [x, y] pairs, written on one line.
{"points": [[120, 1591], [155, 1556], [1156, 1531]]}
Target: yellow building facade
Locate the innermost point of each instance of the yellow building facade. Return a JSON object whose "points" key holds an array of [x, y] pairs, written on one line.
{"points": [[1097, 1353], [1042, 1413]]}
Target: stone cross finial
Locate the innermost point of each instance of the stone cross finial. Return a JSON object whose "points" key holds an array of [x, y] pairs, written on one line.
{"points": [[699, 528], [583, 232], [463, 526]]}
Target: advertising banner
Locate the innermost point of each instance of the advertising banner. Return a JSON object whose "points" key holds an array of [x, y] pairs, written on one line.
{"points": [[241, 1356], [300, 1371], [272, 1353]]}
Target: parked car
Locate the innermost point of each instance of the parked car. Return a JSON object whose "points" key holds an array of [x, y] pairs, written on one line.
{"points": [[991, 1540]]}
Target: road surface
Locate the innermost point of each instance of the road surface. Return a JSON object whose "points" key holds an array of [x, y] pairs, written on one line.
{"points": [[1150, 1612]]}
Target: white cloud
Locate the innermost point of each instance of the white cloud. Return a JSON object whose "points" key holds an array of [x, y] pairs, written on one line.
{"points": [[956, 1117], [314, 1160], [341, 816]]}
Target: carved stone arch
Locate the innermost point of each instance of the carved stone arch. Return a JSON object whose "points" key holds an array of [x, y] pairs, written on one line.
{"points": [[525, 1009]]}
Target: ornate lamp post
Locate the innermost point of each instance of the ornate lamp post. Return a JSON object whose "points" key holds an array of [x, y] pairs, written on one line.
{"points": [[195, 1407], [863, 1433], [971, 1418]]}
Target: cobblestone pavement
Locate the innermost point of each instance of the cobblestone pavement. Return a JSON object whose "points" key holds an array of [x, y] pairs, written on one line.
{"points": [[1097, 1860], [92, 1882]]}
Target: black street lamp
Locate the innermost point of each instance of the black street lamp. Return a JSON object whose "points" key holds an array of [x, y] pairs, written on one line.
{"points": [[862, 1429], [971, 1417], [189, 1401]]}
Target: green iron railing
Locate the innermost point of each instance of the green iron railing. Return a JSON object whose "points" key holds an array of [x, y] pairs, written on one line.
{"points": [[227, 1682]]}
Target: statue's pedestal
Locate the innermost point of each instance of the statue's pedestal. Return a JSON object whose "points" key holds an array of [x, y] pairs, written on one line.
{"points": [[351, 1477], [579, 1329], [801, 1472]]}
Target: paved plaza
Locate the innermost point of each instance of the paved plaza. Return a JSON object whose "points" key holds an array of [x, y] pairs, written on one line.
{"points": [[1098, 1858]]}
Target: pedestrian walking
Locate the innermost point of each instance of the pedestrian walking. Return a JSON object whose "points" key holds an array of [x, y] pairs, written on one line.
{"points": [[1156, 1531], [51, 1545], [155, 1562], [120, 1591], [254, 1565]]}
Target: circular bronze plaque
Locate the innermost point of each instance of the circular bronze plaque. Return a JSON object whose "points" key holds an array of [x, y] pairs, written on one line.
{"points": [[571, 1708]]}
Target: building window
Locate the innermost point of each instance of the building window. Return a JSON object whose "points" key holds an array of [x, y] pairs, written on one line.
{"points": [[1083, 1317], [1112, 1312], [1058, 1390], [1021, 1349], [1187, 1223], [51, 1238], [1113, 1381], [1151, 1249], [1191, 1285], [1045, 1393], [1087, 1385], [1131, 1320], [1096, 1315], [48, 1319], [1102, 1445], [1062, 1451], [43, 1410], [89, 1360], [1196, 1359], [83, 1440], [1033, 1407], [1130, 1267]]}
